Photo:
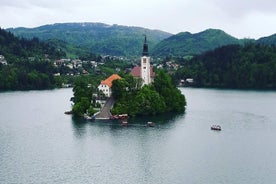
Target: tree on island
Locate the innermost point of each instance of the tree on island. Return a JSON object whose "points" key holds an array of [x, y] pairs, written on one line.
{"points": [[159, 97], [131, 98]]}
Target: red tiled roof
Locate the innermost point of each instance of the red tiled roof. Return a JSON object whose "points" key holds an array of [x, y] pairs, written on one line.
{"points": [[110, 79], [152, 74], [136, 71]]}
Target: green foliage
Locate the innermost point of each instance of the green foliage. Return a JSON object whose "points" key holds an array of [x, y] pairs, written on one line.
{"points": [[186, 43], [172, 96], [270, 40], [82, 91], [99, 38], [29, 65], [154, 99], [233, 66], [149, 102], [81, 107]]}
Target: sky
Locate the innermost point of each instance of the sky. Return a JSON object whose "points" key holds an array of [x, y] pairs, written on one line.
{"points": [[239, 18]]}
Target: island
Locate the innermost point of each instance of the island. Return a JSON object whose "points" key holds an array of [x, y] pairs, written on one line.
{"points": [[140, 92]]}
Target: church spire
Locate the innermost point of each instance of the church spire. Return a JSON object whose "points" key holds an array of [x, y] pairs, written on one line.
{"points": [[145, 47]]}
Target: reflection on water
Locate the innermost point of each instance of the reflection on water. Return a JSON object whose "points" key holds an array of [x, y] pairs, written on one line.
{"points": [[39, 144], [81, 125]]}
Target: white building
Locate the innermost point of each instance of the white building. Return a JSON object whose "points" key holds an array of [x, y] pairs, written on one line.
{"points": [[3, 61], [145, 71], [106, 84]]}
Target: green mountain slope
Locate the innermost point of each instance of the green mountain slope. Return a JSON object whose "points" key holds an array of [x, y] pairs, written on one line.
{"points": [[269, 40], [186, 43], [28, 63], [99, 38], [233, 66]]}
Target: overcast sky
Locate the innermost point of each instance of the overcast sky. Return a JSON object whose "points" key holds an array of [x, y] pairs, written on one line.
{"points": [[239, 18]]}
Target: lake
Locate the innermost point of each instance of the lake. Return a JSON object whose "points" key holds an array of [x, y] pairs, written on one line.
{"points": [[40, 144]]}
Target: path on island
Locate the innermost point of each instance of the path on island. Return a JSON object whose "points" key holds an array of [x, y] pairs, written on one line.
{"points": [[105, 111]]}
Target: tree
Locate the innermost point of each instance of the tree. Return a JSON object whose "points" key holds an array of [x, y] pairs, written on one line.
{"points": [[172, 96], [149, 102], [81, 107]]}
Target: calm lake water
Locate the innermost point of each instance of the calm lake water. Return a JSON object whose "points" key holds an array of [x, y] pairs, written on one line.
{"points": [[39, 144]]}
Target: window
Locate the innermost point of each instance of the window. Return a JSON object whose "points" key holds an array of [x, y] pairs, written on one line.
{"points": [[144, 67]]}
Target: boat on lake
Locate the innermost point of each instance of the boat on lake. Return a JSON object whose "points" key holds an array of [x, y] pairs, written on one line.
{"points": [[216, 127], [124, 123], [150, 124], [120, 116]]}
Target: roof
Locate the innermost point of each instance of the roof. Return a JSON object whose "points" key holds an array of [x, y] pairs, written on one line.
{"points": [[136, 71], [110, 79]]}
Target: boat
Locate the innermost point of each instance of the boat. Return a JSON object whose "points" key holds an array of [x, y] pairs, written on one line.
{"points": [[120, 116], [68, 112], [150, 124], [124, 123], [216, 127]]}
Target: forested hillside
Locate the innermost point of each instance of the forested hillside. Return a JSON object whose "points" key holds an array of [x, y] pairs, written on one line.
{"points": [[28, 63], [185, 43], [99, 38], [233, 66], [268, 40]]}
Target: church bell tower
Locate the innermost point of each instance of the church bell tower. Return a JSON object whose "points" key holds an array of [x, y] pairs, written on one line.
{"points": [[145, 64]]}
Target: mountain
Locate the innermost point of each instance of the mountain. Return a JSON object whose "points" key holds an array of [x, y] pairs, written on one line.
{"points": [[185, 43], [269, 40], [99, 38], [27, 63], [248, 66], [19, 49]]}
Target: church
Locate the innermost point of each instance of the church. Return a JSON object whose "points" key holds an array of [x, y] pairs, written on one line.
{"points": [[145, 70]]}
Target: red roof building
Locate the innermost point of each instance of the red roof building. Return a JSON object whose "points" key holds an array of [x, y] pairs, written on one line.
{"points": [[106, 84], [136, 72]]}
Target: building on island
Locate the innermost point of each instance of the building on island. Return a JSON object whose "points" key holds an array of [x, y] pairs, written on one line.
{"points": [[105, 85], [145, 70]]}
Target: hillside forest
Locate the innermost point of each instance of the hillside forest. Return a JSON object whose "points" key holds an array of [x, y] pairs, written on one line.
{"points": [[246, 64], [249, 66]]}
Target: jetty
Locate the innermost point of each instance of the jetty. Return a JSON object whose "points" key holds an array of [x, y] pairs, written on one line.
{"points": [[105, 111]]}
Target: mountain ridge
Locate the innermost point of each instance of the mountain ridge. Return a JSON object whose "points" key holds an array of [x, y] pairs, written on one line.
{"points": [[186, 43], [98, 37], [119, 40]]}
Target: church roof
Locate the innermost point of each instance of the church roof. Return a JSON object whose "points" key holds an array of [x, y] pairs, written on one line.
{"points": [[145, 48], [110, 79], [136, 71]]}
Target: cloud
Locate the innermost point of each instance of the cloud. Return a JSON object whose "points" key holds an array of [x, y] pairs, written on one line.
{"points": [[242, 8]]}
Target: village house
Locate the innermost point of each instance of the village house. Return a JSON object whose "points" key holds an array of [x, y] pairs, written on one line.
{"points": [[3, 61], [105, 85]]}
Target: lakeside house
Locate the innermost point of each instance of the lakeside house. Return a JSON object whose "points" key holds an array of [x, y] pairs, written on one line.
{"points": [[3, 61], [105, 85]]}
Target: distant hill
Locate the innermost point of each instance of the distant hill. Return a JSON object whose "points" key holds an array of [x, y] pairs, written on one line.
{"points": [[97, 37], [27, 65], [248, 66], [269, 40], [81, 38], [185, 43], [19, 49]]}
